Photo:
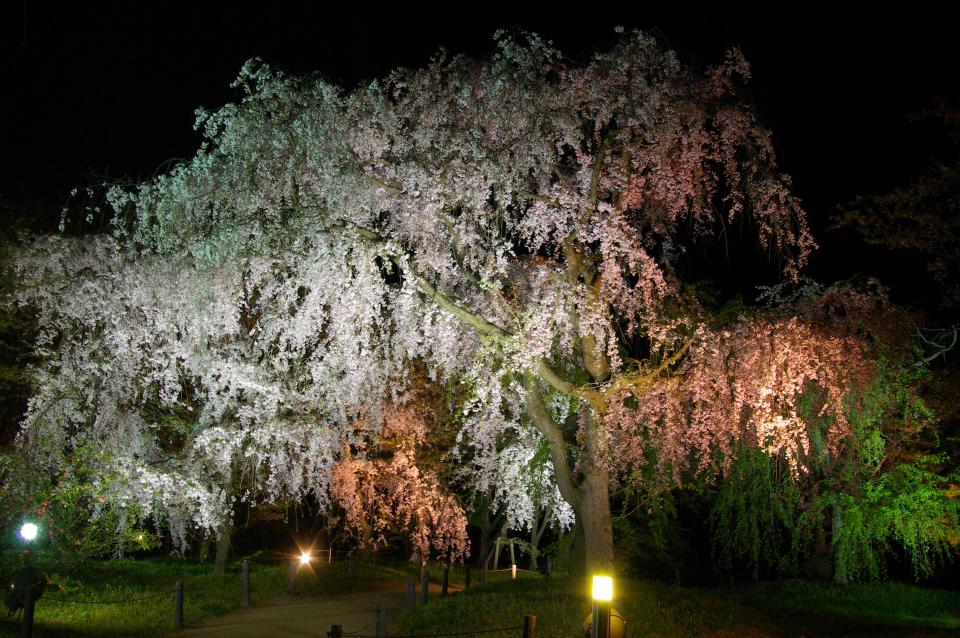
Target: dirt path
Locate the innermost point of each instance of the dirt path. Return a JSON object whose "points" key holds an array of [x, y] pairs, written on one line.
{"points": [[302, 616]]}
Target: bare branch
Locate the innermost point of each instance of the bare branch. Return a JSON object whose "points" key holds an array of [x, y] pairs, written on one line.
{"points": [[640, 381], [939, 343]]}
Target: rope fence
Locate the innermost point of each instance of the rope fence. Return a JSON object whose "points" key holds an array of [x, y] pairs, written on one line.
{"points": [[529, 628], [356, 632], [518, 569], [119, 601], [476, 632]]}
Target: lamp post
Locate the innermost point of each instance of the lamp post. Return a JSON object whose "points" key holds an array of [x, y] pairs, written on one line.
{"points": [[602, 595], [28, 578]]}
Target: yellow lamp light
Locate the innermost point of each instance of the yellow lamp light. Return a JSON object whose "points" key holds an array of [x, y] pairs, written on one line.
{"points": [[305, 558], [603, 588]]}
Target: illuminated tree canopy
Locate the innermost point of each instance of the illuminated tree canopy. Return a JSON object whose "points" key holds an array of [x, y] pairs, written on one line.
{"points": [[514, 224]]}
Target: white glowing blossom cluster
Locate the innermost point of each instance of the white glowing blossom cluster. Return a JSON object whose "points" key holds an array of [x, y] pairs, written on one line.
{"points": [[527, 490]]}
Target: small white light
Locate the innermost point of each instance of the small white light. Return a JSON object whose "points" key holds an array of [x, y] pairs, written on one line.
{"points": [[28, 531], [602, 588], [305, 558]]}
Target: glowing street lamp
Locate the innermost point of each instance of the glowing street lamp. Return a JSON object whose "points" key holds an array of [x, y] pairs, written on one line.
{"points": [[28, 531], [305, 558], [603, 588], [602, 595]]}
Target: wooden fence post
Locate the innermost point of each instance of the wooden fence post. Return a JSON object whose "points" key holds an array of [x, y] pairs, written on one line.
{"points": [[425, 585], [411, 592], [513, 571], [245, 601], [381, 620], [178, 605], [446, 580], [292, 578], [466, 577], [529, 627], [29, 605], [549, 566]]}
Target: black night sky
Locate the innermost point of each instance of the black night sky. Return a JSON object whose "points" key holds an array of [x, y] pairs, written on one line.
{"points": [[111, 90]]}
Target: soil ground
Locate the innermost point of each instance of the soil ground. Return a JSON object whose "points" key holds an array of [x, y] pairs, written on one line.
{"points": [[292, 616]]}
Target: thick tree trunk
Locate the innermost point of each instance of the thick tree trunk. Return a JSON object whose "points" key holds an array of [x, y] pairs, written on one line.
{"points": [[590, 499], [821, 561], [840, 576], [223, 547], [593, 542], [594, 520]]}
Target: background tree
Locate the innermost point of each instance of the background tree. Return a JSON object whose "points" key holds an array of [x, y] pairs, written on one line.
{"points": [[857, 494], [922, 217], [383, 491]]}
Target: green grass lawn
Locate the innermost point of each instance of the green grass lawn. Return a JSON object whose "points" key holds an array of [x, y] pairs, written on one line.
{"points": [[791, 608], [205, 594], [857, 607], [90, 603]]}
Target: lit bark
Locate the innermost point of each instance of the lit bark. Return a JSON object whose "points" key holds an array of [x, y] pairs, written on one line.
{"points": [[537, 529], [224, 535]]}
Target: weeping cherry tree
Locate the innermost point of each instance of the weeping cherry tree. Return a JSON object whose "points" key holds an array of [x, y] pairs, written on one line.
{"points": [[515, 224]]}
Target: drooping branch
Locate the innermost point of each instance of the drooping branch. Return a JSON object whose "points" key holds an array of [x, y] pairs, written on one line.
{"points": [[482, 325], [457, 310], [471, 276], [543, 421], [390, 188], [541, 198], [597, 395], [595, 175]]}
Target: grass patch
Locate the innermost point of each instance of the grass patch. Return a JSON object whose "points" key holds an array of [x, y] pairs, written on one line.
{"points": [[789, 608], [879, 604], [561, 605], [652, 609], [153, 580]]}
